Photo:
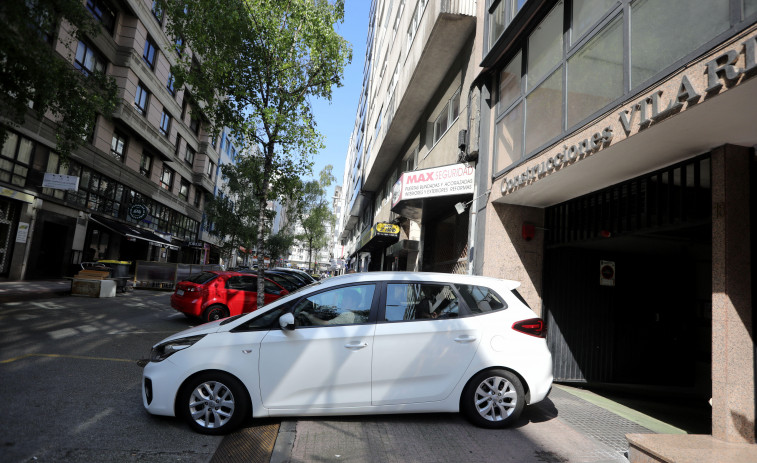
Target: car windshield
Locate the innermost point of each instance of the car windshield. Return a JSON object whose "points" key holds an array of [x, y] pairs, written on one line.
{"points": [[201, 278]]}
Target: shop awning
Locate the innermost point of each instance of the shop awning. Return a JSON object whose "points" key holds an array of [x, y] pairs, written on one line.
{"points": [[133, 232], [378, 237]]}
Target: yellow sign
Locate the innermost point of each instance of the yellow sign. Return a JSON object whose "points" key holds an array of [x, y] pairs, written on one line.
{"points": [[388, 228]]}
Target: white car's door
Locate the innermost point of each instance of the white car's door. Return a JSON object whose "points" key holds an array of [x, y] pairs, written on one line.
{"points": [[325, 362], [421, 349]]}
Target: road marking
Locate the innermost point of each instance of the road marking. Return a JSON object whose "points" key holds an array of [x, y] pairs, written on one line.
{"points": [[79, 357]]}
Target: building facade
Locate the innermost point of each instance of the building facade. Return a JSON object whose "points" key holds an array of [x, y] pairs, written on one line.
{"points": [[135, 189], [617, 143], [413, 111], [600, 152]]}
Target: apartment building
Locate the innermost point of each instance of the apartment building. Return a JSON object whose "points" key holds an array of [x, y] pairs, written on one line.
{"points": [[136, 188], [617, 143], [411, 120]]}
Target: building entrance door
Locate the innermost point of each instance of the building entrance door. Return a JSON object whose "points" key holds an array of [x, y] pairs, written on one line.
{"points": [[627, 281]]}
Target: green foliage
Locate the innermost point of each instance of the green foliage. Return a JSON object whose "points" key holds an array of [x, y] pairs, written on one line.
{"points": [[33, 72], [314, 214], [258, 64]]}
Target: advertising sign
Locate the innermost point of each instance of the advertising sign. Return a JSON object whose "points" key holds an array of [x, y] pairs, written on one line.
{"points": [[454, 179], [60, 182]]}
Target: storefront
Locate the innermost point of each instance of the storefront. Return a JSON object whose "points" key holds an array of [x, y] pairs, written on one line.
{"points": [[429, 197], [622, 191], [372, 245]]}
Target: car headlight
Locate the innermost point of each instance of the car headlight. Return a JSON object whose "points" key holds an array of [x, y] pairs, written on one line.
{"points": [[164, 350]]}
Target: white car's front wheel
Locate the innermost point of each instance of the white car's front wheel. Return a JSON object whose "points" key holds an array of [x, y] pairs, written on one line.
{"points": [[493, 399], [213, 403]]}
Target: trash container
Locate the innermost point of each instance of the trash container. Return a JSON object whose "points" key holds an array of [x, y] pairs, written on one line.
{"points": [[119, 271]]}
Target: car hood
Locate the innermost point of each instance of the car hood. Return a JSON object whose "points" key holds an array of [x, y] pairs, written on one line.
{"points": [[205, 328]]}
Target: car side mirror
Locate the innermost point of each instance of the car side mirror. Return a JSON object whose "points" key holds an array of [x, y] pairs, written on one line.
{"points": [[286, 322]]}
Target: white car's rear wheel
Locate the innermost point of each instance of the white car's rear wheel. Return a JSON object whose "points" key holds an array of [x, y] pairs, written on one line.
{"points": [[493, 399]]}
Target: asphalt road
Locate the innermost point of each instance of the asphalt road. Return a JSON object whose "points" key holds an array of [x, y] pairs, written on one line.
{"points": [[71, 383]]}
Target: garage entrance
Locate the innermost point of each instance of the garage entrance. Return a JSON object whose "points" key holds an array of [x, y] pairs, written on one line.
{"points": [[627, 281]]}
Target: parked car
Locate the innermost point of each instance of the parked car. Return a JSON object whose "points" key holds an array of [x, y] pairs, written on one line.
{"points": [[305, 275], [290, 281], [214, 295], [379, 342]]}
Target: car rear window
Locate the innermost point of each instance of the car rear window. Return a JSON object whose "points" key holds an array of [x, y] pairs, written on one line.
{"points": [[201, 278], [481, 299]]}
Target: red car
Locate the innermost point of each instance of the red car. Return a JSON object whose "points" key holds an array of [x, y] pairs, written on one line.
{"points": [[215, 295]]}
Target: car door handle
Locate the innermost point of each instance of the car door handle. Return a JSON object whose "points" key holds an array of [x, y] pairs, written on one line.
{"points": [[356, 345], [465, 338]]}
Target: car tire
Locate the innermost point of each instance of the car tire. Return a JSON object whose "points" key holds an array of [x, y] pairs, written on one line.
{"points": [[214, 312], [213, 403], [493, 399]]}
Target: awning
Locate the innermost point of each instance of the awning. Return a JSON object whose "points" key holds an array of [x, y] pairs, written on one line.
{"points": [[378, 237], [133, 232]]}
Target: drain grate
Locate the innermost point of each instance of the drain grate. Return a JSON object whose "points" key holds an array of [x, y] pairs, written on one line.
{"points": [[252, 444]]}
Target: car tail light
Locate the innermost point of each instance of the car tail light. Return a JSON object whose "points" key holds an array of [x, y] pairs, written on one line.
{"points": [[192, 289], [532, 327]]}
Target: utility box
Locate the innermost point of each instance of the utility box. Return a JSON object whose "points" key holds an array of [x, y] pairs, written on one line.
{"points": [[93, 288]]}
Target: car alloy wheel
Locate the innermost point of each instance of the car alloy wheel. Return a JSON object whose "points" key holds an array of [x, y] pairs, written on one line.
{"points": [[493, 399], [214, 312], [213, 403]]}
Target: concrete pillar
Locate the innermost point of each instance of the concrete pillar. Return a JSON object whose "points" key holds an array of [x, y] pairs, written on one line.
{"points": [[733, 370]]}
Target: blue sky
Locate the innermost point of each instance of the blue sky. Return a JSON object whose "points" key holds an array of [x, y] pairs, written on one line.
{"points": [[335, 119]]}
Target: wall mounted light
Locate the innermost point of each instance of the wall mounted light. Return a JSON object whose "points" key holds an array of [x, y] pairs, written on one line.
{"points": [[460, 207]]}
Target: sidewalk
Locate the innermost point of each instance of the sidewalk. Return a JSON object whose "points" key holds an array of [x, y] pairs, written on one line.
{"points": [[14, 291]]}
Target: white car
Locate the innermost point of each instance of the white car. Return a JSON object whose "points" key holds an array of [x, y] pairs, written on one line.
{"points": [[382, 342]]}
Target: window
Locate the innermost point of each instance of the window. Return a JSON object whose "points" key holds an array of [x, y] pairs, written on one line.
{"points": [[501, 14], [447, 117], [420, 301], [145, 164], [165, 123], [15, 159], [166, 178], [411, 161], [189, 155], [480, 299], [654, 45], [150, 52], [198, 197], [141, 98], [211, 169], [184, 190], [118, 146], [88, 60], [415, 21], [102, 13], [342, 306], [170, 84], [194, 124], [585, 14], [179, 45], [157, 12], [595, 73]]}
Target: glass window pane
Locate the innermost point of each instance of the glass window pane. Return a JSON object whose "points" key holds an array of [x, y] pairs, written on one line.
{"points": [[544, 112], [9, 147], [655, 45], [416, 301], [509, 136], [750, 8], [586, 13], [496, 22], [25, 150], [545, 46], [595, 73], [509, 83]]}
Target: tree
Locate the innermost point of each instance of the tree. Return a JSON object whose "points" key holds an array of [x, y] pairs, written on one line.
{"points": [[315, 215], [33, 74], [259, 62]]}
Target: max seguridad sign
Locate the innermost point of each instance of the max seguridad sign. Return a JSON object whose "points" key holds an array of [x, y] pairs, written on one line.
{"points": [[454, 179]]}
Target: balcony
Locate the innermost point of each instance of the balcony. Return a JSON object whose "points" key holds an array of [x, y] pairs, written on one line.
{"points": [[149, 133], [446, 28]]}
